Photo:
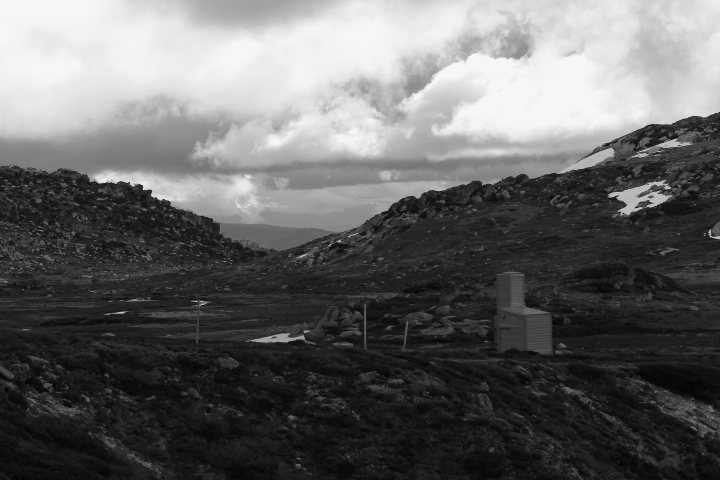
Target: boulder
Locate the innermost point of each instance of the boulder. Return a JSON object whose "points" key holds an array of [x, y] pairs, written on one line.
{"points": [[6, 386], [482, 401], [479, 330], [314, 335], [357, 317], [37, 361], [438, 332], [367, 377], [296, 330], [350, 332], [520, 179], [6, 373], [228, 362], [715, 231], [461, 194], [443, 311], [476, 200], [345, 323], [560, 346], [416, 318]]}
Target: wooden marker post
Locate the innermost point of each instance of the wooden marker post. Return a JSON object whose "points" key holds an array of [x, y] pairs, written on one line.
{"points": [[407, 324], [197, 325], [365, 325]]}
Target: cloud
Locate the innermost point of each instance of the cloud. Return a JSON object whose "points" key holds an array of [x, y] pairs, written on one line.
{"points": [[267, 101], [252, 14], [204, 194], [247, 198]]}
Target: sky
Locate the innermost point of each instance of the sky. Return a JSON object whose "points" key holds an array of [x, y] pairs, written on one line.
{"points": [[320, 113]]}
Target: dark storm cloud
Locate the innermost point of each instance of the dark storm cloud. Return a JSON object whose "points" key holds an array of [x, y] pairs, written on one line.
{"points": [[461, 170], [156, 134], [241, 13]]}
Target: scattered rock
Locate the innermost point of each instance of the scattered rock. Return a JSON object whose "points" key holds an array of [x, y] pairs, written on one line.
{"points": [[295, 331], [6, 386], [438, 332], [228, 362], [479, 330], [443, 311], [483, 401], [6, 373], [194, 393], [314, 335], [416, 318], [560, 346], [350, 333], [368, 377], [37, 361]]}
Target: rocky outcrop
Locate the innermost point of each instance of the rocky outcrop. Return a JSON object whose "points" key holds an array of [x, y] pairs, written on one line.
{"points": [[691, 129], [404, 214], [610, 276], [62, 216]]}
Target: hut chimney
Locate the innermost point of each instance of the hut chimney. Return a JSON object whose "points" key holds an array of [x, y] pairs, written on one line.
{"points": [[510, 290]]}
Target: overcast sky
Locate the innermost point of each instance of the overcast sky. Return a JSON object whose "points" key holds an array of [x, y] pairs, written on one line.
{"points": [[320, 113]]}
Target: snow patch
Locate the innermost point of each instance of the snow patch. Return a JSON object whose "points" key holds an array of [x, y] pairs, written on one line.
{"points": [[644, 196], [116, 313], [279, 338], [669, 144], [591, 161], [138, 300]]}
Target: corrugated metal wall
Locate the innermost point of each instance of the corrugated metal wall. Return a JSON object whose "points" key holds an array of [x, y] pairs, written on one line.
{"points": [[538, 329], [511, 289], [514, 337]]}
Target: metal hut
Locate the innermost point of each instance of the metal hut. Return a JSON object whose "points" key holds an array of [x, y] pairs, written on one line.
{"points": [[518, 326]]}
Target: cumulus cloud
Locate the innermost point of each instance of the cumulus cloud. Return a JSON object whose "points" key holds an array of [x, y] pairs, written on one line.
{"points": [[248, 199], [205, 194], [265, 100]]}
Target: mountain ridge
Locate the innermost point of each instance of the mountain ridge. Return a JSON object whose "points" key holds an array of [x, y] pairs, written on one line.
{"points": [[619, 254], [272, 236]]}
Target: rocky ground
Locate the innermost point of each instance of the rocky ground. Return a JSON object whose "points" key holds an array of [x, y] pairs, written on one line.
{"points": [[108, 363]]}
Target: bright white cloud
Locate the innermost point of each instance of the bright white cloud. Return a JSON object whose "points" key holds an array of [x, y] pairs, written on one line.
{"points": [[204, 194], [356, 81], [245, 195]]}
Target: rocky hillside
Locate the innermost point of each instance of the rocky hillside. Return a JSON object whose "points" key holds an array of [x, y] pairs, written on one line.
{"points": [[684, 178], [691, 129], [64, 219], [109, 382], [77, 408]]}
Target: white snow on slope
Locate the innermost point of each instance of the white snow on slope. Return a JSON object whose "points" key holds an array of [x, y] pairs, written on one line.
{"points": [[279, 338], [644, 196], [657, 148], [116, 313], [590, 161]]}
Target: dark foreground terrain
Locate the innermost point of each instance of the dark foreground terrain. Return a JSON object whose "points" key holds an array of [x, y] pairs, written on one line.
{"points": [[102, 378]]}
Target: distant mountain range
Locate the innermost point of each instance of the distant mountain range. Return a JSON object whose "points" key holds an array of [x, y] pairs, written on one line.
{"points": [[272, 236]]}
